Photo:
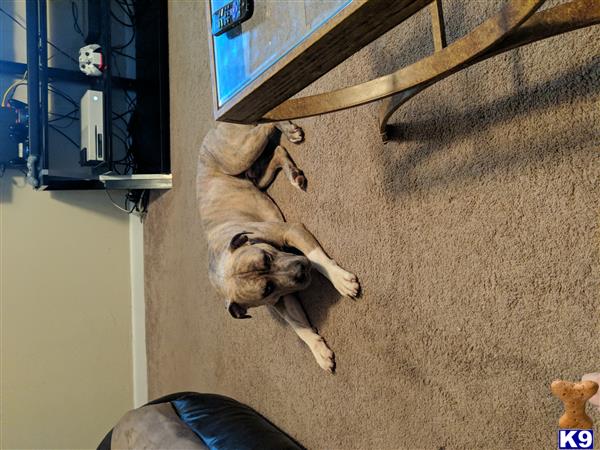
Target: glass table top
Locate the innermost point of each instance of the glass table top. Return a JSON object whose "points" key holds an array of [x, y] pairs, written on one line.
{"points": [[276, 27]]}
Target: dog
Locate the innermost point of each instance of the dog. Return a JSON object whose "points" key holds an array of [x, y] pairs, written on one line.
{"points": [[253, 252]]}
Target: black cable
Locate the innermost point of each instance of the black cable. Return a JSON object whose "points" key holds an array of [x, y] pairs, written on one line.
{"points": [[121, 117], [140, 199], [124, 55], [117, 127], [126, 8], [13, 19], [117, 115], [60, 117], [131, 101], [120, 47], [68, 115], [64, 53], [12, 165], [128, 211], [68, 125], [128, 162], [64, 135], [49, 43], [64, 95], [75, 12], [126, 171], [128, 158], [121, 139], [128, 12], [62, 127], [114, 16]]}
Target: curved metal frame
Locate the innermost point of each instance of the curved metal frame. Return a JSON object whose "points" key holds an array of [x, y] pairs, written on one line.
{"points": [[544, 24], [516, 24]]}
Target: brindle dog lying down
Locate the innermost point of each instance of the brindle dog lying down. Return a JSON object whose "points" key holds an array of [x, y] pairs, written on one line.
{"points": [[250, 259]]}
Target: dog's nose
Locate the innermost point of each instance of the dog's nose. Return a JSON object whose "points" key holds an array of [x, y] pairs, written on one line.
{"points": [[302, 273], [302, 277]]}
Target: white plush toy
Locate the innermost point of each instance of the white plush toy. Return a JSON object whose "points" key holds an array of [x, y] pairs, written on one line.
{"points": [[90, 60]]}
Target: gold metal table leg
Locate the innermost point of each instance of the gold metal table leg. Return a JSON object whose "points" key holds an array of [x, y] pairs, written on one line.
{"points": [[516, 24], [447, 60], [550, 22]]}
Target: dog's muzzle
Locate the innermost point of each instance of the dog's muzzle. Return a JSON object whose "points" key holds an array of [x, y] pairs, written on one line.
{"points": [[302, 273]]}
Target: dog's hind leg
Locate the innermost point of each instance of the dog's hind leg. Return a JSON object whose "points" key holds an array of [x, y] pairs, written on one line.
{"points": [[291, 310], [291, 131], [281, 160], [237, 147]]}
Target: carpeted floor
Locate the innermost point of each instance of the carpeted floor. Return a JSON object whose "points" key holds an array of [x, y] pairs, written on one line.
{"points": [[475, 237]]}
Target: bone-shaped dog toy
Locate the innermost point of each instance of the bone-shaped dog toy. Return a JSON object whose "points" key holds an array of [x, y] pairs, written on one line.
{"points": [[574, 396]]}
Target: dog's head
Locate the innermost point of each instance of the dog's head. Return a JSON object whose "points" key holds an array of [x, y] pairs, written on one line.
{"points": [[258, 273]]}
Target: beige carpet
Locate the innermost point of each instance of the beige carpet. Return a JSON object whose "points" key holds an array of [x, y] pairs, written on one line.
{"points": [[475, 237]]}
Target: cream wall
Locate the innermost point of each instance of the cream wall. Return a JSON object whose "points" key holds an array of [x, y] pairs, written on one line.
{"points": [[65, 295], [65, 316]]}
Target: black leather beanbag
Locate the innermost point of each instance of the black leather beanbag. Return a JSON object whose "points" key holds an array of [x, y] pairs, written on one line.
{"points": [[222, 423]]}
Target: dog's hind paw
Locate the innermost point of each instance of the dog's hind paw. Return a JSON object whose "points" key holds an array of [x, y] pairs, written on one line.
{"points": [[323, 354], [299, 179], [293, 132]]}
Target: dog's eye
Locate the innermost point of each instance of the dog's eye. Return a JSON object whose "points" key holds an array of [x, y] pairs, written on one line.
{"points": [[267, 260], [269, 288]]}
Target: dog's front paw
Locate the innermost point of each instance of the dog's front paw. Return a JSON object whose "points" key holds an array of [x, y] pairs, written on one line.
{"points": [[345, 282], [293, 132], [323, 354]]}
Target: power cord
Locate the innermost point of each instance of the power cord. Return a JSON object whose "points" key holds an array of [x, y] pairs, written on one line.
{"points": [[75, 13], [138, 198], [58, 130]]}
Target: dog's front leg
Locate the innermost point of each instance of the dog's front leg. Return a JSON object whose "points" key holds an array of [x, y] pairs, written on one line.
{"points": [[297, 236], [290, 309]]}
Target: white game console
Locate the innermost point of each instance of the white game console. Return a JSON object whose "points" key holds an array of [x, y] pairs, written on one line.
{"points": [[92, 128]]}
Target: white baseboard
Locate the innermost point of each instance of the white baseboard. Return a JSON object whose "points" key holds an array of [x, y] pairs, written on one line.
{"points": [[138, 311]]}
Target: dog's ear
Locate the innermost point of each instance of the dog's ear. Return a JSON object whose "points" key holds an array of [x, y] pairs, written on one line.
{"points": [[238, 240], [237, 311]]}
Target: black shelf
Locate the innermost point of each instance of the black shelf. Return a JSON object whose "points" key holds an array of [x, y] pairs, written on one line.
{"points": [[150, 127]]}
